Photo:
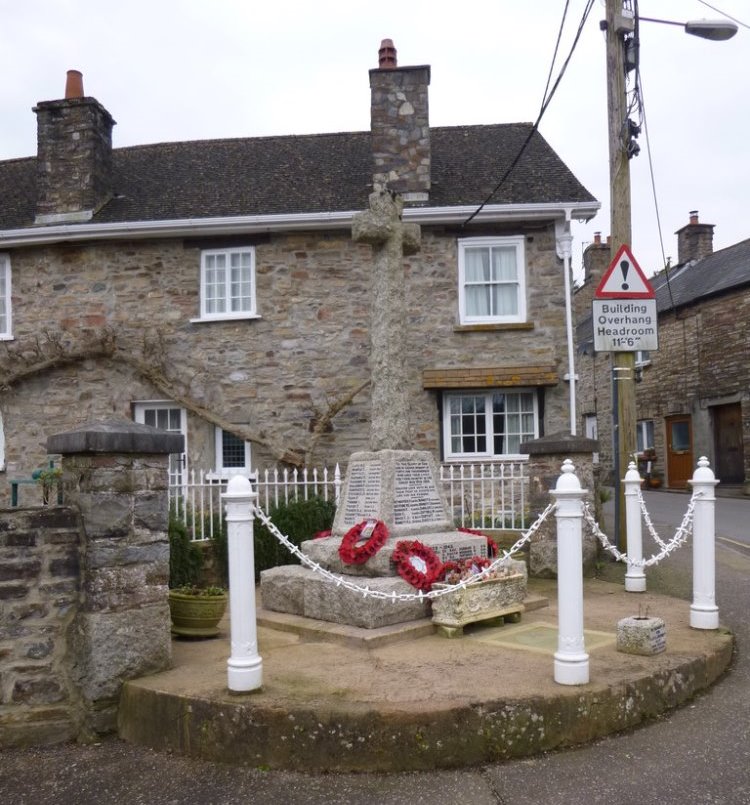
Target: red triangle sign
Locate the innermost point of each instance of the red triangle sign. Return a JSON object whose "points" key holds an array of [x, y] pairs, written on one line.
{"points": [[624, 279]]}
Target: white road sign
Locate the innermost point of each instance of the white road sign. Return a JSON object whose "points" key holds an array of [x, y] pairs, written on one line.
{"points": [[625, 325]]}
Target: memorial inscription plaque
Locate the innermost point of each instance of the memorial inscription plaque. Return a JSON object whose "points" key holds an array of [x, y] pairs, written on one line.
{"points": [[363, 494], [415, 496]]}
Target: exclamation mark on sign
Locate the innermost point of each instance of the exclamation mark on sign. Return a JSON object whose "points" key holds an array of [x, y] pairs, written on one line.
{"points": [[624, 266]]}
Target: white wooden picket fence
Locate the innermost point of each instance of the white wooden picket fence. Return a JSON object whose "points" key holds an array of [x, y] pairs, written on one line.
{"points": [[488, 495]]}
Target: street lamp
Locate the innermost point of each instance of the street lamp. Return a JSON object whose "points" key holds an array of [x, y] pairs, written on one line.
{"points": [[622, 56]]}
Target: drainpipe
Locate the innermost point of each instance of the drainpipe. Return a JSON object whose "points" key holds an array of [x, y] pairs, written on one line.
{"points": [[564, 245]]}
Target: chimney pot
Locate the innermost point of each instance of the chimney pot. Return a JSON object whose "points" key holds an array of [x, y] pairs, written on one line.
{"points": [[693, 217], [387, 55], [74, 84], [597, 238]]}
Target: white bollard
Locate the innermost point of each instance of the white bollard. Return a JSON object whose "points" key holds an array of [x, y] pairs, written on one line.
{"points": [[571, 660], [245, 666], [635, 576], [704, 614]]}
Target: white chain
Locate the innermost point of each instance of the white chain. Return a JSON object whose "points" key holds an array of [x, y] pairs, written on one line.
{"points": [[340, 581], [680, 537]]}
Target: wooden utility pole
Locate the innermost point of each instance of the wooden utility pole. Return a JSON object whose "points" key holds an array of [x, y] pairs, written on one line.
{"points": [[623, 363]]}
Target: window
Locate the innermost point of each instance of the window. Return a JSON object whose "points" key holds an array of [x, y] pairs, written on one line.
{"points": [[228, 284], [232, 455], [491, 280], [167, 416], [6, 329], [642, 357], [644, 435], [488, 424]]}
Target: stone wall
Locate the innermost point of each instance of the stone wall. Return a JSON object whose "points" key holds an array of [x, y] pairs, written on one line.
{"points": [[276, 374], [39, 599], [83, 589]]}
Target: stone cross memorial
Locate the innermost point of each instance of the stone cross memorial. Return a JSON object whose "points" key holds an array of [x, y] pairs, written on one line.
{"points": [[390, 482]]}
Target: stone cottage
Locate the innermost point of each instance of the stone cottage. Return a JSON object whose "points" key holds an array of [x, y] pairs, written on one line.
{"points": [[213, 288], [693, 393]]}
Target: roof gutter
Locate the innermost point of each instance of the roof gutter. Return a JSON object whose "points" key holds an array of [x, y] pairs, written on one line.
{"points": [[240, 224]]}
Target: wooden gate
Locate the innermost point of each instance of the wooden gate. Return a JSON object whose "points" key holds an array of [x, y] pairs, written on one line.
{"points": [[679, 451], [730, 459]]}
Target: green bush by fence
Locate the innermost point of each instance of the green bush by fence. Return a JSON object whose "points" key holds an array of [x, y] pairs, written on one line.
{"points": [[299, 521]]}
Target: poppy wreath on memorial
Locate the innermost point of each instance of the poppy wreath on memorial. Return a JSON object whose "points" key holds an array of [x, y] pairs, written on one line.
{"points": [[492, 549], [409, 557], [354, 551]]}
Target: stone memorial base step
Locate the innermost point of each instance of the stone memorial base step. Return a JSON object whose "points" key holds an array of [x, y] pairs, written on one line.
{"points": [[299, 591], [450, 546]]}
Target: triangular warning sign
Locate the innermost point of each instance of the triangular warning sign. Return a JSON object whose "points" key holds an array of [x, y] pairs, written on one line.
{"points": [[624, 279]]}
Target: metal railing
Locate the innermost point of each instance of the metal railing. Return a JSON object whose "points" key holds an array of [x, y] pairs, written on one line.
{"points": [[488, 495]]}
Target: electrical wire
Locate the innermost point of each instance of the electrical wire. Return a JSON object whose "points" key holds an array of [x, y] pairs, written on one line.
{"points": [[724, 14], [548, 95]]}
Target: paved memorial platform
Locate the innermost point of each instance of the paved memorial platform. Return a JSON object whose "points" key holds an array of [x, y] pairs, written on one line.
{"points": [[339, 698]]}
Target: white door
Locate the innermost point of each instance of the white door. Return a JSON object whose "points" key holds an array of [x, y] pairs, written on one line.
{"points": [[170, 417]]}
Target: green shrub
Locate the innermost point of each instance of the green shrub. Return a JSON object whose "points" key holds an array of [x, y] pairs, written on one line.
{"points": [[185, 557], [299, 521]]}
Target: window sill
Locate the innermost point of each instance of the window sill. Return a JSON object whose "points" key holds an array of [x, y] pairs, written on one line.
{"points": [[485, 459], [486, 328], [5, 337], [238, 317]]}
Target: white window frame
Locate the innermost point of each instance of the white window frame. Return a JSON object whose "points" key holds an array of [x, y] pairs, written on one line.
{"points": [[227, 472], [227, 314], [178, 462], [642, 432], [448, 452], [6, 332], [642, 358], [2, 443], [516, 242]]}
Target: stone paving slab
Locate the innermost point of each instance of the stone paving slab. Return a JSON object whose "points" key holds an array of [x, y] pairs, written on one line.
{"points": [[422, 704]]}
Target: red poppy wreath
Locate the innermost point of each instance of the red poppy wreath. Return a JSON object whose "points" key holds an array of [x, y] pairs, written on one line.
{"points": [[417, 564], [362, 541], [492, 549]]}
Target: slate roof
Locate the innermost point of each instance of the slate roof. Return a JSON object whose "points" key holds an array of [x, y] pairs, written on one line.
{"points": [[303, 174], [721, 271]]}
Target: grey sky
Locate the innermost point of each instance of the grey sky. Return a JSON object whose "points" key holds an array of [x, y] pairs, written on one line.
{"points": [[170, 70]]}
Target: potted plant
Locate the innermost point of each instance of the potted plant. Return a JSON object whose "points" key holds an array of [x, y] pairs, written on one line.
{"points": [[499, 595], [196, 608]]}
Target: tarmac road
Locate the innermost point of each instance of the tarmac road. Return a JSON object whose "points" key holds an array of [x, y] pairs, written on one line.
{"points": [[695, 755]]}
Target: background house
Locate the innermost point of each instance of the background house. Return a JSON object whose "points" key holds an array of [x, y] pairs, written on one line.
{"points": [[693, 393], [214, 288]]}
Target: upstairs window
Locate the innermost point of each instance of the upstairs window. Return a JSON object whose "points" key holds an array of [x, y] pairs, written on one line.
{"points": [[488, 424], [491, 280], [6, 328], [228, 284]]}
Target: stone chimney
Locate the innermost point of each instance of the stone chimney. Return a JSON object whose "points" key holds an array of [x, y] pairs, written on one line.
{"points": [[596, 259], [74, 156], [695, 240], [399, 123]]}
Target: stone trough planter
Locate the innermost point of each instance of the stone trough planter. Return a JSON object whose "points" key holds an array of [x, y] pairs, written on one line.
{"points": [[496, 599]]}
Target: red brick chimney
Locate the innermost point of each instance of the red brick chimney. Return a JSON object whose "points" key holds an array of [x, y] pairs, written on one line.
{"points": [[695, 240], [400, 128], [74, 156]]}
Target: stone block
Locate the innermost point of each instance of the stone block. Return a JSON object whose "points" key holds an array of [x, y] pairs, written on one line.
{"points": [[328, 602], [282, 589], [299, 591], [641, 635], [448, 545], [113, 647]]}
